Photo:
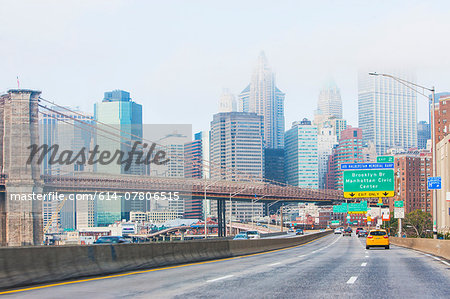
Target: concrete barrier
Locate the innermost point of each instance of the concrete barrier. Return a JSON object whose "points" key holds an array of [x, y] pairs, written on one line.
{"points": [[21, 266], [266, 235], [436, 247]]}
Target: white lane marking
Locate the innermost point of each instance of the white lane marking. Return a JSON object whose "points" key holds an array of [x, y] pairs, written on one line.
{"points": [[303, 255], [363, 264], [366, 256], [220, 278], [274, 264], [436, 258], [352, 279]]}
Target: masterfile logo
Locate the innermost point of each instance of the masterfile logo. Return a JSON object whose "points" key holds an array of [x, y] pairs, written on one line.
{"points": [[136, 155]]}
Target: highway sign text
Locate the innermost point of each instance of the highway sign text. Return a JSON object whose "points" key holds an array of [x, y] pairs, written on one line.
{"points": [[434, 183], [369, 180], [362, 166]]}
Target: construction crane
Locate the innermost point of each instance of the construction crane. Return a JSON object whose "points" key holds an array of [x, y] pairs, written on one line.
{"points": [[54, 215]]}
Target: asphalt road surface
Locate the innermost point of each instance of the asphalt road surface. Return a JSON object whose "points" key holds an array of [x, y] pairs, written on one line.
{"points": [[333, 266]]}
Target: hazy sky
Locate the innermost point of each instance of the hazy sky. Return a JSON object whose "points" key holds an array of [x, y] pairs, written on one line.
{"points": [[175, 57]]}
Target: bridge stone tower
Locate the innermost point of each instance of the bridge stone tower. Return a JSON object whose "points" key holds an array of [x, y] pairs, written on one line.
{"points": [[20, 220]]}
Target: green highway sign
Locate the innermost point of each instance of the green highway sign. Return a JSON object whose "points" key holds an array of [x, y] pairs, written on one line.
{"points": [[335, 222], [359, 207], [369, 180], [398, 204], [340, 208], [385, 159]]}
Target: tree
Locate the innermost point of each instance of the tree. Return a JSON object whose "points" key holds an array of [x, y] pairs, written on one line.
{"points": [[418, 224], [392, 225]]}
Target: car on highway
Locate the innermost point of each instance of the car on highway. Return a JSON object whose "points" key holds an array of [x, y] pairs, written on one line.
{"points": [[347, 232], [362, 233], [290, 230], [240, 237], [111, 240], [358, 229], [377, 238], [253, 234], [338, 230], [299, 231]]}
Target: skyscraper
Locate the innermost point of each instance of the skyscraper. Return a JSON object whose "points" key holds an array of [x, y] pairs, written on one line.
{"points": [[262, 97], [204, 136], [423, 134], [301, 156], [326, 140], [117, 114], [196, 155], [237, 154], [274, 165], [330, 102], [119, 111], [193, 164], [387, 112]]}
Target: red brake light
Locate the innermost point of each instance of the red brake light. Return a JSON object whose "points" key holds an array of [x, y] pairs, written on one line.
{"points": [[386, 236], [369, 236]]}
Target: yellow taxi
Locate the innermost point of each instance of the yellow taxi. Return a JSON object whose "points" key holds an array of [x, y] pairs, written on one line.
{"points": [[377, 238]]}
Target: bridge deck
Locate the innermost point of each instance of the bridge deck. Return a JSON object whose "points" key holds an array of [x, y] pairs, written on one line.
{"points": [[192, 187]]}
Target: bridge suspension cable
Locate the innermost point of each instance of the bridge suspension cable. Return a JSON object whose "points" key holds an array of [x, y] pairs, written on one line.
{"points": [[202, 162]]}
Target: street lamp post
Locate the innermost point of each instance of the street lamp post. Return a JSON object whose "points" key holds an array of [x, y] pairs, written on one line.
{"points": [[414, 87], [231, 196], [268, 213], [253, 212]]}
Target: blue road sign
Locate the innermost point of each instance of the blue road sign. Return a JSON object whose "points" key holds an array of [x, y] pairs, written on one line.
{"points": [[434, 183], [362, 166]]}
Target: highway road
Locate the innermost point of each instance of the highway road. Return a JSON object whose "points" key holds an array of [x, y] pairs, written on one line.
{"points": [[332, 266]]}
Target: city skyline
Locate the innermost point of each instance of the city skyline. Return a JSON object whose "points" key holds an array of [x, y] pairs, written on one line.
{"points": [[199, 68]]}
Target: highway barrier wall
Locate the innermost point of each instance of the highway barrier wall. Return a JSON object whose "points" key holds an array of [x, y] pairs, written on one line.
{"points": [[265, 235], [436, 247], [27, 265]]}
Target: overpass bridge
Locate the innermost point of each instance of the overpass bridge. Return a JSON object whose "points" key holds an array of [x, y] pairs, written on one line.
{"points": [[241, 191], [189, 188]]}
